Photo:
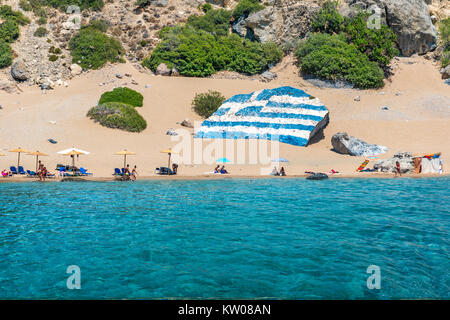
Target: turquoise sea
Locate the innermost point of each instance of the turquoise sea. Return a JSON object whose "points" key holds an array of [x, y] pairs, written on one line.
{"points": [[236, 238]]}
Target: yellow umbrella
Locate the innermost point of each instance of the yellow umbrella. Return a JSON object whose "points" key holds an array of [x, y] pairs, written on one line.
{"points": [[19, 151], [73, 153], [169, 151], [37, 154], [125, 153], [2, 155]]}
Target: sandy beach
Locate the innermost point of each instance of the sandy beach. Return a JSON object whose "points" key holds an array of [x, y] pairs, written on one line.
{"points": [[418, 120]]}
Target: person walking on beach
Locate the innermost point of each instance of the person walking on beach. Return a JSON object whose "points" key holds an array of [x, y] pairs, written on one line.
{"points": [[134, 173], [398, 169]]}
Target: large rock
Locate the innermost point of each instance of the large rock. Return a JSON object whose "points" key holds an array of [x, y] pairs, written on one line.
{"points": [[75, 69], [409, 19], [282, 21], [404, 158], [163, 70], [345, 144], [446, 72], [19, 71]]}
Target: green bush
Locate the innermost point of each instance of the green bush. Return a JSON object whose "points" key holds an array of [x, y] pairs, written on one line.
{"points": [[378, 44], [53, 58], [40, 32], [9, 31], [118, 116], [42, 21], [100, 25], [206, 7], [205, 104], [125, 95], [6, 55], [7, 13], [330, 57], [92, 48], [83, 4], [445, 38], [328, 19], [215, 22], [198, 53], [25, 5], [143, 3], [245, 7], [54, 50]]}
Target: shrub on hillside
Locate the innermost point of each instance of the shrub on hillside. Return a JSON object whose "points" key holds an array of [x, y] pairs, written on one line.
{"points": [[328, 19], [125, 95], [40, 32], [9, 31], [6, 55], [198, 53], [245, 7], [118, 116], [92, 48], [83, 4], [100, 25], [215, 22], [378, 44], [445, 38], [330, 57], [205, 104], [7, 13]]}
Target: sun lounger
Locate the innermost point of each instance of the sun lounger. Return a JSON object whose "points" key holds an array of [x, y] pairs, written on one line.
{"points": [[84, 172], [13, 170], [163, 171], [31, 173], [117, 172], [21, 171]]}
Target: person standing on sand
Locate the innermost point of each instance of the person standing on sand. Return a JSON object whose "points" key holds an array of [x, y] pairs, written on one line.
{"points": [[134, 173], [398, 169]]}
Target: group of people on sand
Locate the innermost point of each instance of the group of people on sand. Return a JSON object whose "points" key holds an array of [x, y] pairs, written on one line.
{"points": [[275, 172], [131, 174], [42, 171], [220, 170], [6, 173]]}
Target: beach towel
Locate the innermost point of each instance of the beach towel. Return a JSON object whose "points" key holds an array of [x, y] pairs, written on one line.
{"points": [[362, 166], [417, 165], [431, 165]]}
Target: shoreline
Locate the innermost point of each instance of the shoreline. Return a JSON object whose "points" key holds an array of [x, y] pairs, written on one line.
{"points": [[369, 175]]}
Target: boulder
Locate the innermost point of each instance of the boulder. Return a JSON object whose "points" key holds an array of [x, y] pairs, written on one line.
{"points": [[282, 21], [163, 70], [317, 176], [75, 69], [174, 72], [409, 19], [160, 3], [445, 72], [268, 76], [404, 158], [19, 71], [345, 144], [186, 123]]}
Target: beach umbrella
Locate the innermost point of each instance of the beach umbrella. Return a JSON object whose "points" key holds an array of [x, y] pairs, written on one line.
{"points": [[73, 152], [222, 160], [169, 152], [18, 151], [37, 154], [125, 153], [280, 160]]}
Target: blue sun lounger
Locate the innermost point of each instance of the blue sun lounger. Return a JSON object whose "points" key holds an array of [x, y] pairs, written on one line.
{"points": [[13, 170], [117, 172], [84, 172], [21, 171], [31, 173]]}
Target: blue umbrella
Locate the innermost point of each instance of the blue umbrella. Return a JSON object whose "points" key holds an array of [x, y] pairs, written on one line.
{"points": [[280, 160], [223, 160]]}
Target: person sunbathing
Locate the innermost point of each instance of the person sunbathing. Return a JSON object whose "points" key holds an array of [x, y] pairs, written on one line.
{"points": [[274, 172], [217, 169], [5, 173], [282, 172], [223, 171]]}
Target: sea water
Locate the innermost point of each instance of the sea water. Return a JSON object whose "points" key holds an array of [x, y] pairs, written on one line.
{"points": [[234, 238]]}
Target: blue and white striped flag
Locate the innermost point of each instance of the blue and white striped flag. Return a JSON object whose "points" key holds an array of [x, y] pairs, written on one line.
{"points": [[286, 114]]}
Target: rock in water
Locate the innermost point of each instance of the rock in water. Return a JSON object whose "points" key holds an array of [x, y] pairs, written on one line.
{"points": [[317, 176], [19, 71], [163, 70], [404, 158], [345, 144]]}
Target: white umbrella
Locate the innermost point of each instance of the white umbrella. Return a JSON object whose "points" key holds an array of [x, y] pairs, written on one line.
{"points": [[67, 151]]}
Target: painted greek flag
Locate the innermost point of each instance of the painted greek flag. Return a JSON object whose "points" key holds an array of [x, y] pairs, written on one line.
{"points": [[285, 114]]}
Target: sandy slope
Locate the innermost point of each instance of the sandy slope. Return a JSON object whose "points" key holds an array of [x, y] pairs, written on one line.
{"points": [[418, 120]]}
